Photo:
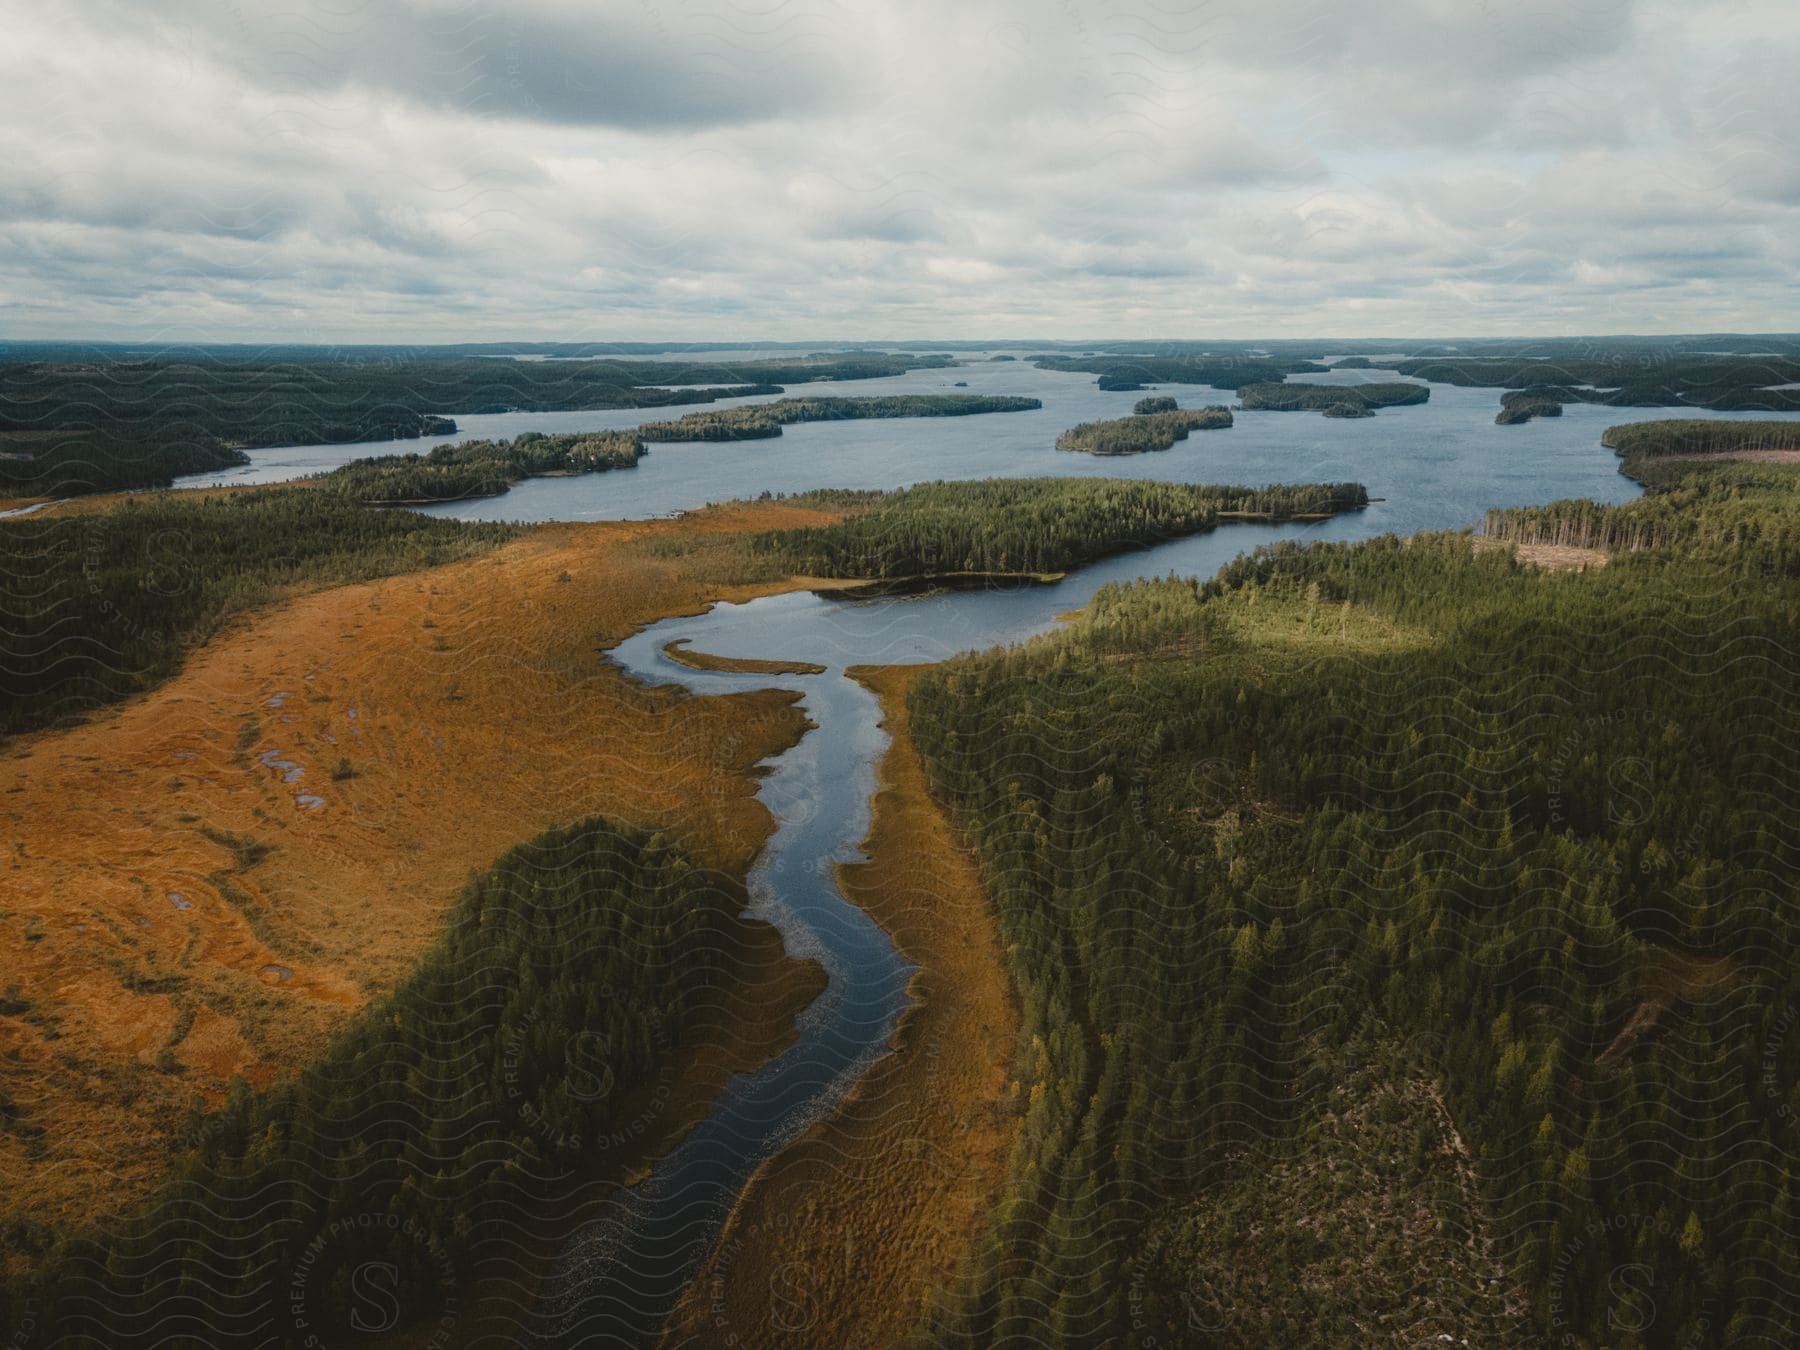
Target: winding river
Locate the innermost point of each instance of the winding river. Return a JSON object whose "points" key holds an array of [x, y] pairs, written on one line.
{"points": [[1438, 466], [619, 1279]]}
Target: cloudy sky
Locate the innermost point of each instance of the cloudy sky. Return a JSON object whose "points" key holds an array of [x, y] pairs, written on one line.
{"points": [[437, 170]]}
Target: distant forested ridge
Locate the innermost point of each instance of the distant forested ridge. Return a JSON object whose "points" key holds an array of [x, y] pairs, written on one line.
{"points": [[480, 468], [1024, 526], [1404, 938], [1155, 428], [1221, 371], [426, 1134], [102, 605], [82, 426], [1328, 397], [765, 420], [1660, 378]]}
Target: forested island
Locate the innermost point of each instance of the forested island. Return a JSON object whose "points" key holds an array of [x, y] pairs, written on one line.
{"points": [[1155, 404], [480, 468], [489, 468], [1023, 527], [1332, 914], [1520, 406], [765, 420], [1334, 400], [1155, 428], [116, 420], [1225, 370]]}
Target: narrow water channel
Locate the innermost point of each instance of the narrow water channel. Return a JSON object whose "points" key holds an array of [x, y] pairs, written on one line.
{"points": [[616, 1282]]}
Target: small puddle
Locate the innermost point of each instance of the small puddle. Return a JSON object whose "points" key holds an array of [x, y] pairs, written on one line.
{"points": [[280, 698], [274, 974], [177, 899], [290, 771], [308, 802]]}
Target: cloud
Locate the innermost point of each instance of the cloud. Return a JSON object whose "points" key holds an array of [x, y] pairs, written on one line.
{"points": [[440, 169]]}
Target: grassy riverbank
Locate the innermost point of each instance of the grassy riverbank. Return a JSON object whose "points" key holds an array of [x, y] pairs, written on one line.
{"points": [[880, 1203]]}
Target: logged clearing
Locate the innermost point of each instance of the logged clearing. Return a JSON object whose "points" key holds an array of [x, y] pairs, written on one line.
{"points": [[209, 879], [1550, 557], [838, 1241]]}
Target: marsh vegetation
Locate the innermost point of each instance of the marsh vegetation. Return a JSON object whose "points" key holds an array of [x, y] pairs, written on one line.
{"points": [[101, 605]]}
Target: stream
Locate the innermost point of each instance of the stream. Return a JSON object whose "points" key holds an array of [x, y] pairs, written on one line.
{"points": [[616, 1282]]}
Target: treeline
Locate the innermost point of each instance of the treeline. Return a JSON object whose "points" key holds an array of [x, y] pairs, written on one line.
{"points": [[1698, 436], [99, 606], [1354, 400], [1155, 429], [1156, 404], [1023, 525], [1221, 370], [1532, 831], [1742, 517], [480, 468], [422, 1139], [96, 424], [765, 420]]}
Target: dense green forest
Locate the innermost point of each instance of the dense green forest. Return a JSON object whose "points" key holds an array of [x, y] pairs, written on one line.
{"points": [[480, 468], [566, 984], [1022, 525], [1155, 404], [54, 463], [92, 425], [763, 420], [1333, 399], [101, 605], [1636, 441], [1155, 429], [1521, 841]]}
